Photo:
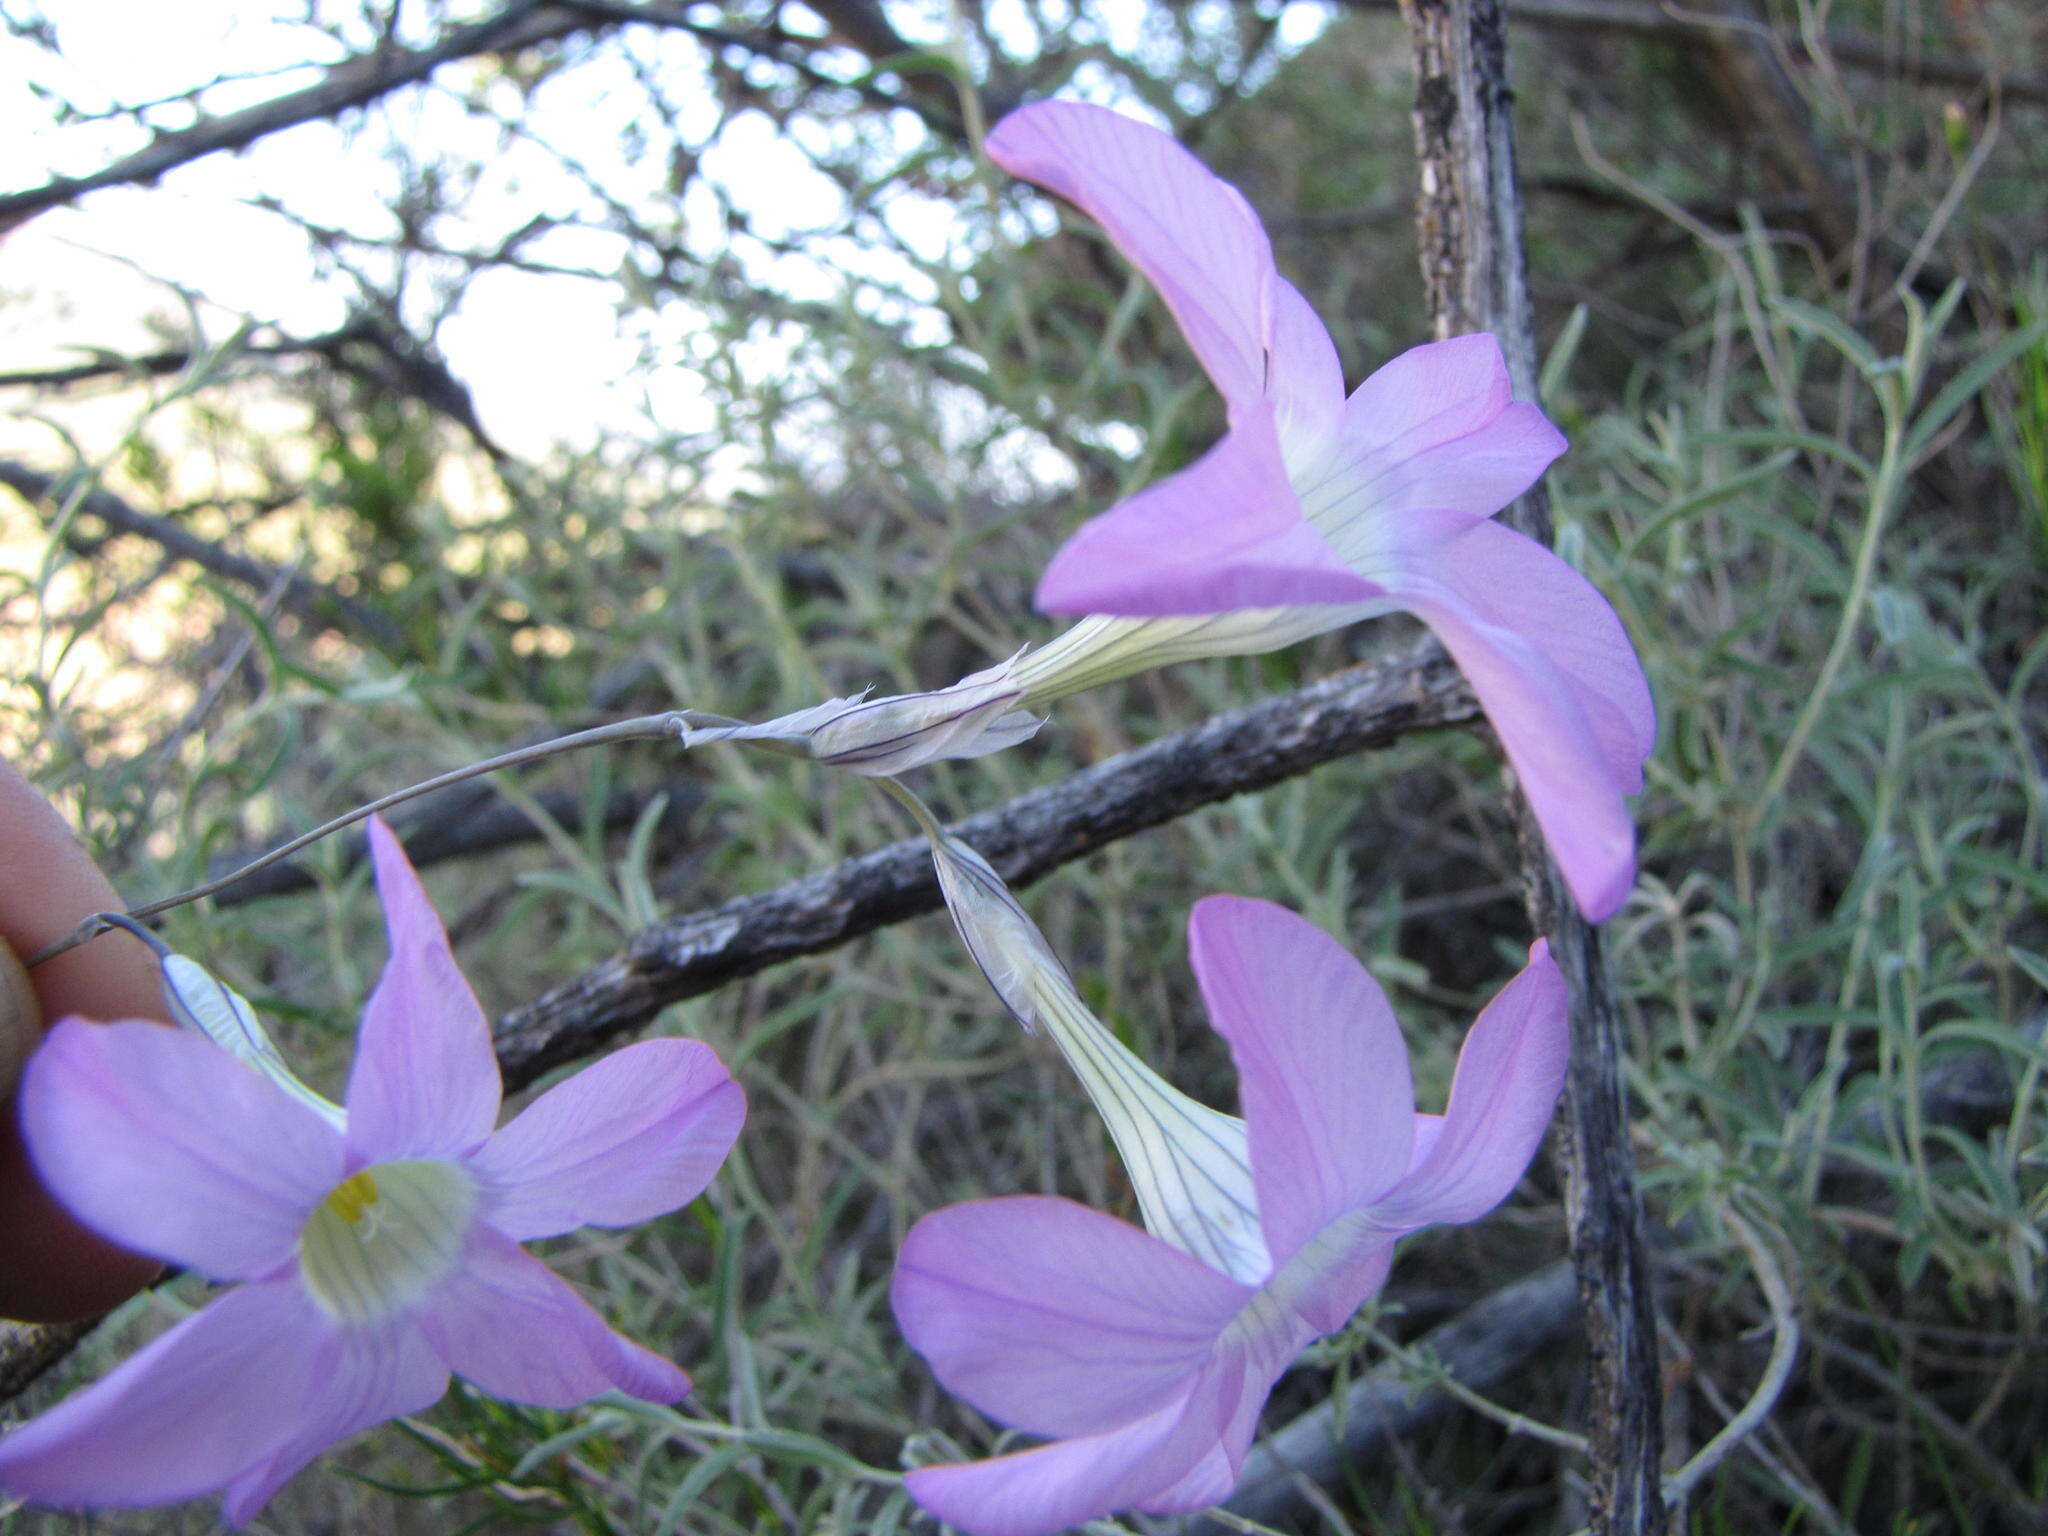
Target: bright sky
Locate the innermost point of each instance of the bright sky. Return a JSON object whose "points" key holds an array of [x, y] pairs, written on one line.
{"points": [[544, 356]]}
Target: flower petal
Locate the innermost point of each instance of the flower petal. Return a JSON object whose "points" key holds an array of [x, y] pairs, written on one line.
{"points": [[1329, 1278], [1510, 1072], [1322, 1070], [1191, 233], [1226, 532], [425, 1083], [622, 1141], [1480, 472], [1162, 1463], [1056, 1318], [1555, 673], [364, 1377], [1430, 394], [163, 1142], [1305, 381], [509, 1324], [187, 1414]]}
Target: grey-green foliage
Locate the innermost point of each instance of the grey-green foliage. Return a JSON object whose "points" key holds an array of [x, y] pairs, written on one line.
{"points": [[1818, 511]]}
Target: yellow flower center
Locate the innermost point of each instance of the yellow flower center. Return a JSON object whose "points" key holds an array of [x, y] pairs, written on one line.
{"points": [[353, 1196], [384, 1237]]}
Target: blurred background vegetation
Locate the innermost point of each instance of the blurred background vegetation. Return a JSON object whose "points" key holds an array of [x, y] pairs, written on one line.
{"points": [[701, 361]]}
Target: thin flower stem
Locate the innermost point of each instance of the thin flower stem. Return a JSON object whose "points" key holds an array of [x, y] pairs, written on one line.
{"points": [[1883, 493], [1484, 1406], [1770, 1278], [668, 724]]}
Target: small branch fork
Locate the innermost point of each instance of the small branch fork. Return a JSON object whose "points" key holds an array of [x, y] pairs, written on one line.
{"points": [[1469, 219]]}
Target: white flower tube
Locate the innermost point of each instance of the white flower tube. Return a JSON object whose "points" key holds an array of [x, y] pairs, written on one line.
{"points": [[1188, 1163]]}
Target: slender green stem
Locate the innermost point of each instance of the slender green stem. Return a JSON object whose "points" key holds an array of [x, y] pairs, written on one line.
{"points": [[1884, 491], [670, 724]]}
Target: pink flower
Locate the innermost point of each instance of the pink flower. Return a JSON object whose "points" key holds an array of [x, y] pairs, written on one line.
{"points": [[376, 1256], [1348, 507], [1149, 1365]]}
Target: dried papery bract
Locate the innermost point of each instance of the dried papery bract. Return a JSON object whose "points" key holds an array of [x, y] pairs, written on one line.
{"points": [[881, 737]]}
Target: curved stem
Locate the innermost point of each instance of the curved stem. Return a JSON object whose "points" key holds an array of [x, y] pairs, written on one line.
{"points": [[1770, 1279], [670, 723]]}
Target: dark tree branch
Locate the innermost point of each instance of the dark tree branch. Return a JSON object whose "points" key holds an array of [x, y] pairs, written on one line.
{"points": [[1685, 24], [173, 360], [29, 1349], [1470, 223], [373, 350], [309, 601], [358, 81], [352, 83], [932, 99], [1414, 687]]}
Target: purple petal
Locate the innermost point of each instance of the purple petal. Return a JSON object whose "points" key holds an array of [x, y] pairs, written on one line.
{"points": [[1430, 394], [637, 1134], [1555, 672], [425, 1083], [364, 1377], [1322, 1071], [1192, 234], [1428, 1130], [1224, 533], [1306, 382], [1509, 1074], [1162, 1463], [162, 1142], [509, 1324], [189, 1413], [1480, 473], [1330, 1281], [1056, 1318]]}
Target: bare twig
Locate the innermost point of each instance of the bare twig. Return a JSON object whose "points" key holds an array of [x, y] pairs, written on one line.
{"points": [[1414, 687], [642, 728], [1470, 222], [306, 599], [1770, 1279], [352, 83], [156, 365]]}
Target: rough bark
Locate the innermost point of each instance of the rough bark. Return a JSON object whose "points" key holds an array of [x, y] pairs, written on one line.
{"points": [[1470, 221]]}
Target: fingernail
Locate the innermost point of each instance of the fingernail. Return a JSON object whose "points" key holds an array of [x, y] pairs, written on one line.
{"points": [[21, 1020]]}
